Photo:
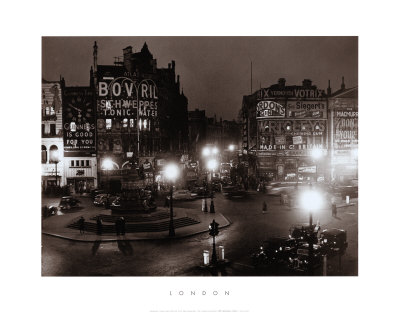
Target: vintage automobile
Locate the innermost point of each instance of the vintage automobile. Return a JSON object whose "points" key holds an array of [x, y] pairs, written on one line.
{"points": [[274, 251], [300, 262], [100, 199], [333, 241], [300, 233], [68, 202], [232, 191], [95, 192], [183, 195]]}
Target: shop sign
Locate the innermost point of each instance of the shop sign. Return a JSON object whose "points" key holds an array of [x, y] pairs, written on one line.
{"points": [[299, 92], [277, 147], [306, 109], [80, 172], [298, 139], [293, 127], [123, 97], [307, 169], [79, 120], [345, 129], [270, 109]]}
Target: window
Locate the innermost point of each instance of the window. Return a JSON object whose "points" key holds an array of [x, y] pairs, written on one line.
{"points": [[43, 129], [72, 163], [82, 163], [108, 124], [87, 163], [44, 154], [54, 156], [52, 129]]}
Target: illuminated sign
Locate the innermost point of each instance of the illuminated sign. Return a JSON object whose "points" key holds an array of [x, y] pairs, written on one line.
{"points": [[79, 120], [293, 127], [123, 97], [306, 109], [270, 109], [297, 92], [345, 129]]}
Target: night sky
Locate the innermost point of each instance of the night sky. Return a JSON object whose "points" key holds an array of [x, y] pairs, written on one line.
{"points": [[214, 71]]}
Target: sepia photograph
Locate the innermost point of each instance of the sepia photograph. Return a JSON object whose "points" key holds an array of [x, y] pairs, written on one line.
{"points": [[199, 156]]}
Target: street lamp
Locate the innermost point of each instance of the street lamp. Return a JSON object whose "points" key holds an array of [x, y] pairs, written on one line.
{"points": [[316, 154], [55, 159], [231, 147], [107, 165], [171, 173], [206, 151], [311, 201], [211, 166]]}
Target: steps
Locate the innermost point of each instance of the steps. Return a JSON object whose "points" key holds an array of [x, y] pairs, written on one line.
{"points": [[136, 227], [133, 218]]}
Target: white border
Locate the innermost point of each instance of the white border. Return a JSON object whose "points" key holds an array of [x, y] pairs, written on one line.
{"points": [[23, 24]]}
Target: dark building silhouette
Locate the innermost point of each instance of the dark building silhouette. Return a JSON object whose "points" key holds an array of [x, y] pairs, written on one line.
{"points": [[141, 113]]}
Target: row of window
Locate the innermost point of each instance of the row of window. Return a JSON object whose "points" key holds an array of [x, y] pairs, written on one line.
{"points": [[80, 163], [144, 124]]}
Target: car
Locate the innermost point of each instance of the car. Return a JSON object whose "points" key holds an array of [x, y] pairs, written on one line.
{"points": [[233, 191], [274, 251], [333, 241], [95, 192], [183, 195], [300, 232], [68, 202], [100, 199], [301, 261]]}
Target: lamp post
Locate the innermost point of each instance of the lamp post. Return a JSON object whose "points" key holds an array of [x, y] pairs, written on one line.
{"points": [[311, 201], [316, 155], [107, 165], [171, 173], [211, 166], [55, 159]]}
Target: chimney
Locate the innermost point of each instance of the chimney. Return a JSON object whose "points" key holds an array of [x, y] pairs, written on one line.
{"points": [[281, 82], [329, 90], [169, 65], [343, 86], [307, 83], [173, 65]]}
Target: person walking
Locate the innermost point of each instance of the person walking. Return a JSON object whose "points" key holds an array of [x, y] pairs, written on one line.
{"points": [[264, 208], [117, 226], [334, 210], [122, 225], [99, 224], [81, 225]]}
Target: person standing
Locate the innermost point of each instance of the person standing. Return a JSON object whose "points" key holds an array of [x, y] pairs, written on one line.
{"points": [[99, 223], [264, 209], [81, 225], [122, 225], [118, 226]]}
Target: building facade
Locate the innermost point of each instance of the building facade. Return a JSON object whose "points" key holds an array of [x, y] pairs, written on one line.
{"points": [[52, 140], [79, 135], [282, 127], [343, 116], [141, 114]]}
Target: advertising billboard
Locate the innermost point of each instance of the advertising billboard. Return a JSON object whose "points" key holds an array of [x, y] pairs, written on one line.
{"points": [[79, 120], [270, 109], [307, 109], [345, 129]]}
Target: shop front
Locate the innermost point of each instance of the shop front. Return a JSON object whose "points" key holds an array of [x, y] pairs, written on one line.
{"points": [[81, 174]]}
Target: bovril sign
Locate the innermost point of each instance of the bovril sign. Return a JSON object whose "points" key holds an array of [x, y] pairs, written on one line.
{"points": [[269, 109]]}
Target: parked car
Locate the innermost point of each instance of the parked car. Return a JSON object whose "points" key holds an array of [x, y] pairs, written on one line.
{"points": [[100, 200], [95, 192], [183, 195], [301, 261], [300, 232], [68, 202], [274, 251], [333, 241]]}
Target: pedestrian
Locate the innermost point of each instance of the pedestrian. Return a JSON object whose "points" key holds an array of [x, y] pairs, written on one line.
{"points": [[118, 226], [334, 210], [122, 225], [264, 209], [81, 225], [99, 223]]}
